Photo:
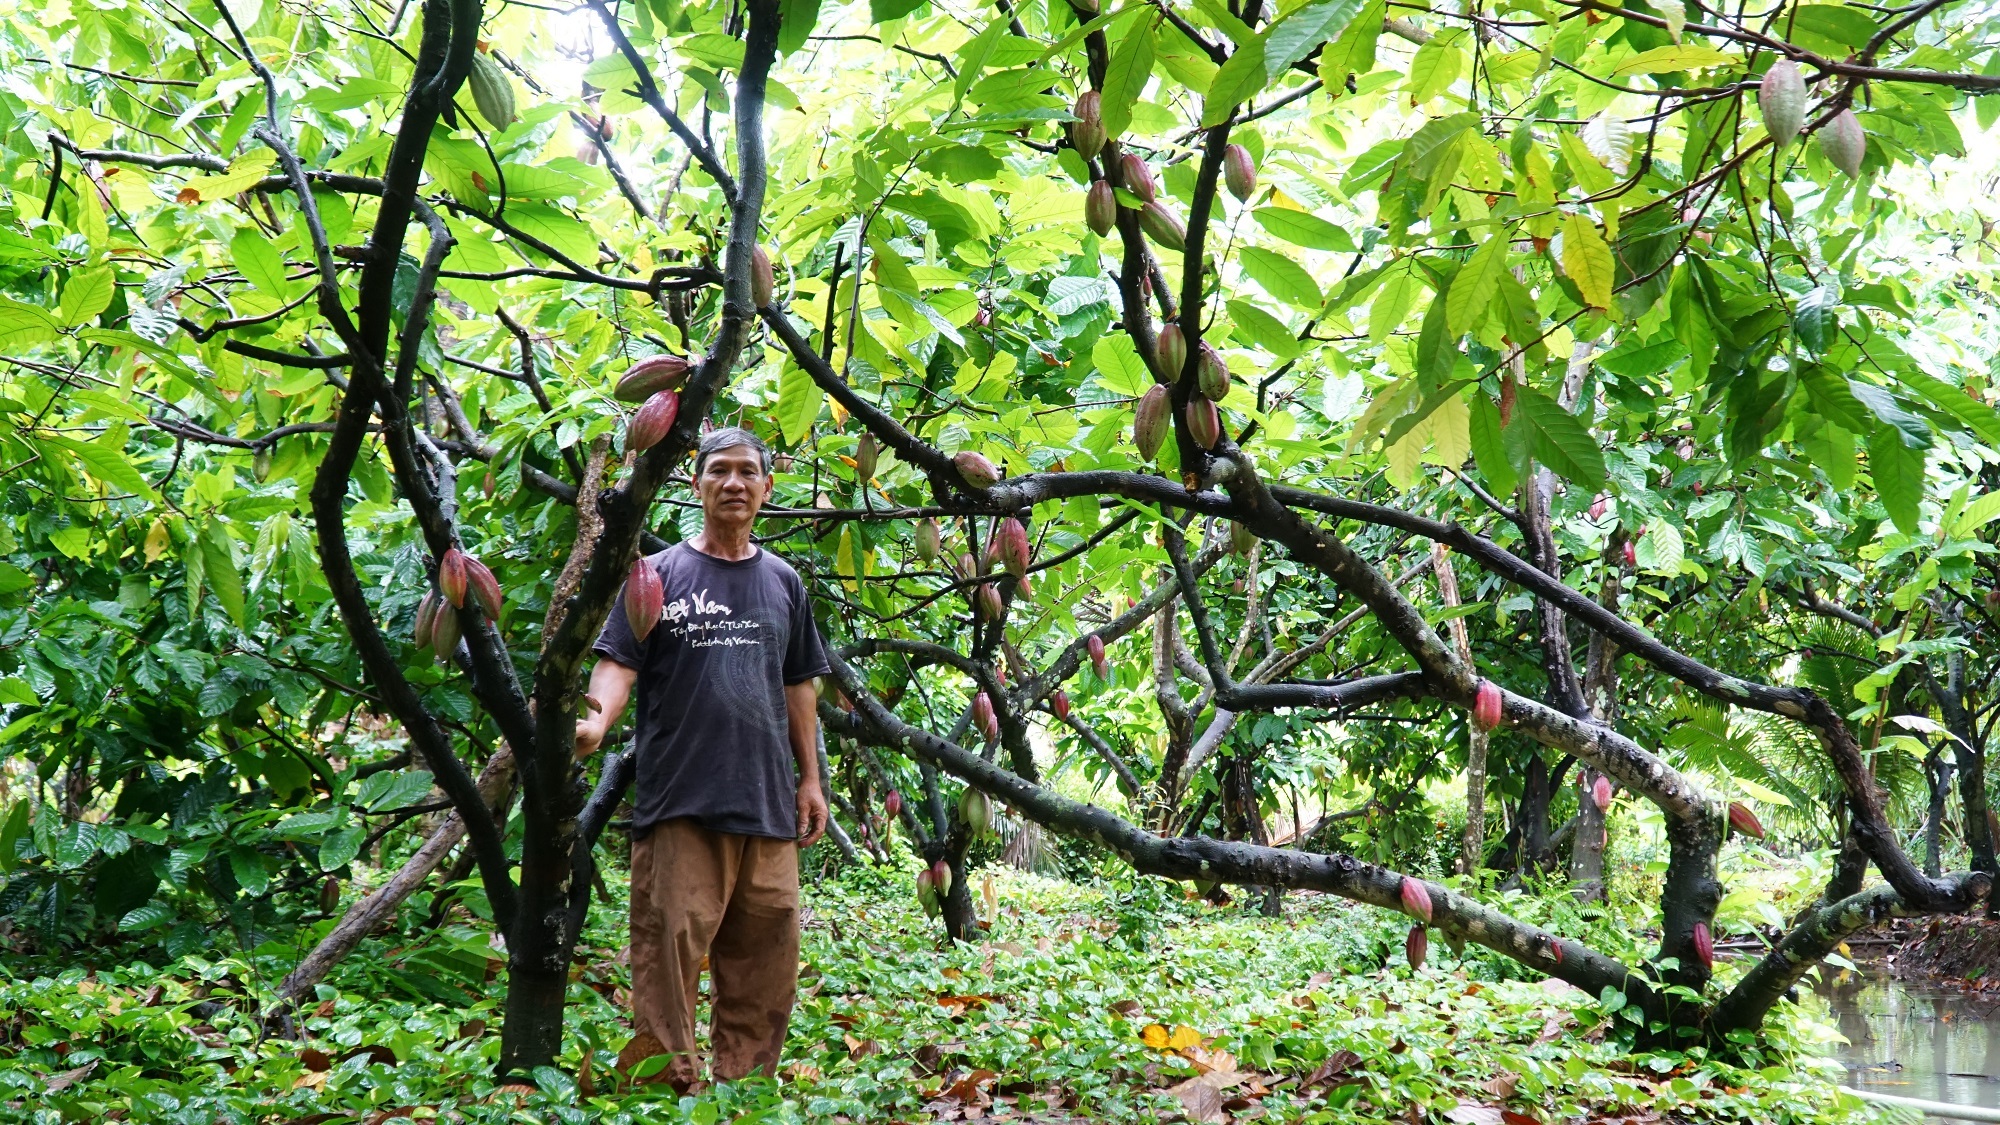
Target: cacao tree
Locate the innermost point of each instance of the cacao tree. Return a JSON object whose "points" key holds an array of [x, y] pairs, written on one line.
{"points": [[1134, 370]]}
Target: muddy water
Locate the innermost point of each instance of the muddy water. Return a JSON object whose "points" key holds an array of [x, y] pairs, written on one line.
{"points": [[1917, 1040]]}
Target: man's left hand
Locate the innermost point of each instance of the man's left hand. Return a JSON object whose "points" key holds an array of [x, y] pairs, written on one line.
{"points": [[812, 814]]}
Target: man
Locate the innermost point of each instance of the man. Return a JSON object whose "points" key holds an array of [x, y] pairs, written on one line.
{"points": [[726, 689]]}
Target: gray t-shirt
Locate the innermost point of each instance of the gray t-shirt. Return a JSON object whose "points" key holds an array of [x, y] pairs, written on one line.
{"points": [[710, 728]]}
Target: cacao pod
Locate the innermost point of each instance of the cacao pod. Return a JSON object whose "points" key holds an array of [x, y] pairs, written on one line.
{"points": [[1486, 705], [1631, 554], [990, 606], [892, 804], [1507, 391], [1059, 703], [763, 283], [1239, 172], [650, 376], [1704, 945], [865, 454], [445, 633], [645, 598], [491, 91], [329, 895], [966, 566], [927, 896], [1213, 373], [1416, 947], [1241, 539], [1135, 177], [653, 421], [941, 878], [1100, 207], [1099, 663], [260, 464], [1086, 133], [1844, 143], [427, 608], [1556, 949], [1598, 507], [1170, 349], [451, 576], [1163, 226], [1023, 588], [1149, 421], [1993, 600], [485, 588], [1745, 821], [1013, 541], [1600, 792], [1204, 422], [975, 469], [983, 717], [1783, 98], [976, 810], [1416, 899], [929, 539]]}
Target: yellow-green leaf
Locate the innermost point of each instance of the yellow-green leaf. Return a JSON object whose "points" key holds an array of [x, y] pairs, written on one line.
{"points": [[1586, 258], [88, 293], [1663, 60]]}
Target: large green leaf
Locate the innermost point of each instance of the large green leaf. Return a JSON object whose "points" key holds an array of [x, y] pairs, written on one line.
{"points": [[1562, 442]]}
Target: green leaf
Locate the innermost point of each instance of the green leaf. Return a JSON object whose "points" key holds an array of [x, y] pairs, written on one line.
{"points": [[1126, 75], [1587, 260], [1280, 276], [145, 917], [260, 265], [795, 25], [1354, 51], [1489, 450], [1666, 60], [1661, 550], [1915, 432], [1395, 298], [218, 562], [23, 325], [1562, 443], [1264, 330], [799, 400], [1237, 80], [1119, 368], [1297, 34], [1477, 281], [340, 847], [1302, 228], [88, 293], [74, 845], [1814, 317], [1899, 476], [243, 173]]}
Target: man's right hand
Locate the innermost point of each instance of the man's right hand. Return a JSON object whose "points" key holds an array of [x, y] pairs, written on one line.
{"points": [[589, 736]]}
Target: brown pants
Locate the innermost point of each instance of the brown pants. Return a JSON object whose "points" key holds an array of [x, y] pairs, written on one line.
{"points": [[734, 900]]}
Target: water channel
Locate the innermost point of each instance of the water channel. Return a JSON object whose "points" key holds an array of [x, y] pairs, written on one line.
{"points": [[1917, 1040]]}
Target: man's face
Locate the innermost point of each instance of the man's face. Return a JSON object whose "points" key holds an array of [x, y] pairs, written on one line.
{"points": [[733, 485]]}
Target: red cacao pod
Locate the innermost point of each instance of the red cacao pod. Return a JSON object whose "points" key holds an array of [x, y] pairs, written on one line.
{"points": [[1099, 663], [990, 606], [975, 469], [983, 717], [485, 588], [1013, 541], [1745, 821], [650, 376], [1100, 207], [652, 421], [1631, 554], [1239, 172], [1204, 422], [1163, 226], [1416, 899], [1149, 421], [1135, 177], [1486, 705], [1086, 133], [941, 877], [1213, 373], [892, 804], [1598, 507], [1170, 349], [427, 608], [1600, 792], [445, 633], [645, 598], [1059, 703], [1704, 945], [451, 576], [1416, 947], [763, 281]]}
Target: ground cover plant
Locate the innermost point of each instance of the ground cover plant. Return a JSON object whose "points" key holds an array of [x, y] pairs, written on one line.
{"points": [[1101, 1003], [1323, 446]]}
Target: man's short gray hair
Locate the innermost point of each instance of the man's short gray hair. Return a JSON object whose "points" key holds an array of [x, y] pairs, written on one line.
{"points": [[730, 437]]}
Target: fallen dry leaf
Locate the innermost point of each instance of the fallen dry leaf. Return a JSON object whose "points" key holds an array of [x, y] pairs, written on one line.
{"points": [[69, 1078], [1474, 1115], [1502, 1085]]}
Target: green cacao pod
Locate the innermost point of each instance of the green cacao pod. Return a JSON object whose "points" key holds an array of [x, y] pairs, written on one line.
{"points": [[1100, 207], [1239, 172], [929, 540], [1782, 95], [1149, 421], [1204, 422], [491, 91], [1163, 226], [1213, 373], [1086, 133], [1844, 143], [1171, 350], [1136, 178]]}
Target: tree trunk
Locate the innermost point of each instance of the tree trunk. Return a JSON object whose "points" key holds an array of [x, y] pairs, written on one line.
{"points": [[1937, 772], [1472, 848], [1531, 819], [1586, 846], [1850, 870]]}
